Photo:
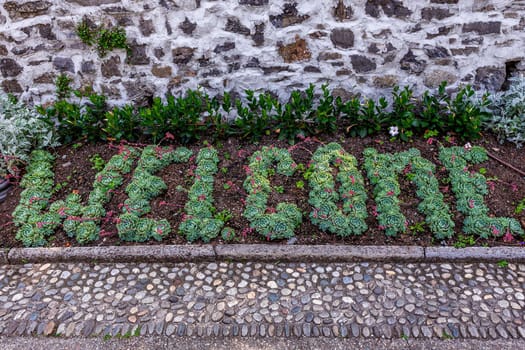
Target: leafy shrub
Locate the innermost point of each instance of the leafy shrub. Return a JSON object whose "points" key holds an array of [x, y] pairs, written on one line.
{"points": [[216, 121], [365, 118], [432, 108], [254, 119], [21, 130], [508, 118], [122, 123], [402, 114], [84, 117], [189, 115], [181, 116], [466, 113], [326, 112], [296, 117]]}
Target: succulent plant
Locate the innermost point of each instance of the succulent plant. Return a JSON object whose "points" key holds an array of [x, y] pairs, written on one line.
{"points": [[383, 171], [38, 184], [78, 220], [287, 216], [228, 234], [143, 187], [469, 189], [199, 222], [323, 195]]}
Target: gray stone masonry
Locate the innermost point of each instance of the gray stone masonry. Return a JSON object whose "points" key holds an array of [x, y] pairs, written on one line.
{"points": [[361, 46]]}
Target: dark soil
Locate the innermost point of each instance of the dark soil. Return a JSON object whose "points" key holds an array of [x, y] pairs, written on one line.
{"points": [[73, 171]]}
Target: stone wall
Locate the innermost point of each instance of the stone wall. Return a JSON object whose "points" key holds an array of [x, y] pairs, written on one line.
{"points": [[277, 45]]}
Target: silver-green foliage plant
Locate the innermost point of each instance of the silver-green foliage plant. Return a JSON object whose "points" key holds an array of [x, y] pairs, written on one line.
{"points": [[350, 220], [198, 222], [508, 119], [469, 188], [383, 171], [131, 224], [21, 130], [287, 216]]}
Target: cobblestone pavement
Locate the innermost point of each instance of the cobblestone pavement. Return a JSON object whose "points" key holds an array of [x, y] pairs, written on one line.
{"points": [[223, 299]]}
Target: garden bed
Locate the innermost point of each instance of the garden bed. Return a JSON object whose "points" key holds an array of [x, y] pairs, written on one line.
{"points": [[74, 171]]}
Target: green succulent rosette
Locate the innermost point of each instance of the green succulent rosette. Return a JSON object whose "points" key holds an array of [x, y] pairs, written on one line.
{"points": [[126, 227], [228, 234], [441, 225], [180, 155], [159, 229], [87, 232], [94, 211], [70, 227], [357, 224], [393, 223], [475, 155], [30, 237], [290, 212], [323, 196], [206, 167]]}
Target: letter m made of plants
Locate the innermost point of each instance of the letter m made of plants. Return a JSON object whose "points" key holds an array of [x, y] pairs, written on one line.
{"points": [[469, 187], [383, 171]]}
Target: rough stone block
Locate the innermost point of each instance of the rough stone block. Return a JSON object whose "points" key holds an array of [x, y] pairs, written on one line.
{"points": [[362, 64], [182, 55], [475, 254], [253, 2], [325, 253], [3, 256], [9, 67], [482, 28], [342, 37], [430, 13], [296, 51], [491, 78], [162, 253], [93, 2], [391, 8], [29, 9]]}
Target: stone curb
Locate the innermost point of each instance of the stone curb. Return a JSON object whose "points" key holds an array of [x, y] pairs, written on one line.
{"points": [[260, 252], [471, 254], [3, 256], [159, 253], [320, 253]]}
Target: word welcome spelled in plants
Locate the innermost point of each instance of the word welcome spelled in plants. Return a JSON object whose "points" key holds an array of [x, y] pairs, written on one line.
{"points": [[38, 219]]}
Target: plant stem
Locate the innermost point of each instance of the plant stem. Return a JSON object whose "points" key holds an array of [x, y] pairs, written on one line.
{"points": [[506, 164]]}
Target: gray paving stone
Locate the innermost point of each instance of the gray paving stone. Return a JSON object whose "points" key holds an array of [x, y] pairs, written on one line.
{"points": [[459, 300]]}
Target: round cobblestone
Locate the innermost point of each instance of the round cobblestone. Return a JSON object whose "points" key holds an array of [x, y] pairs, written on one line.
{"points": [[248, 299]]}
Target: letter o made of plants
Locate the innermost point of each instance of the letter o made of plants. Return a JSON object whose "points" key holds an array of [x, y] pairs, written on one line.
{"points": [[281, 223], [323, 197]]}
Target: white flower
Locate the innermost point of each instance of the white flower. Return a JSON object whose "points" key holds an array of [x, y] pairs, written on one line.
{"points": [[467, 146], [393, 131]]}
